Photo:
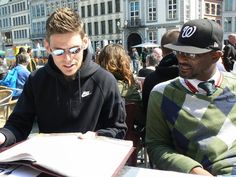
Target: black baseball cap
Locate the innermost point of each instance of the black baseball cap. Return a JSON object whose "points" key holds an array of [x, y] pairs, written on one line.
{"points": [[198, 36]]}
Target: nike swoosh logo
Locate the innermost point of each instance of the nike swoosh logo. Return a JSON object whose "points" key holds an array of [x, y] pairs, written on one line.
{"points": [[85, 93]]}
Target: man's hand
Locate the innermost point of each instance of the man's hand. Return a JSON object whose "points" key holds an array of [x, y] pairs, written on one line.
{"points": [[2, 138], [200, 171], [88, 135]]}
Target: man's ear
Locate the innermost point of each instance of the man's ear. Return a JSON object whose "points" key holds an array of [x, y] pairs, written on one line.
{"points": [[86, 41], [47, 46], [217, 55]]}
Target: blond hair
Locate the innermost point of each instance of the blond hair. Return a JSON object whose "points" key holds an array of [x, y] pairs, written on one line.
{"points": [[64, 20]]}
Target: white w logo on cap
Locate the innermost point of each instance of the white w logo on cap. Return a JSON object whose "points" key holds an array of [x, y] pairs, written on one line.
{"points": [[188, 31]]}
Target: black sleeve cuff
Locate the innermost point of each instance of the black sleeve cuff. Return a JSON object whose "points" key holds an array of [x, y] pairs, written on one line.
{"points": [[10, 137]]}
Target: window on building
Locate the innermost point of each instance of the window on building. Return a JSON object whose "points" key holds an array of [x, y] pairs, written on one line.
{"points": [[24, 20], [172, 9], [89, 10], [20, 7], [63, 3], [90, 29], [228, 24], [13, 9], [34, 27], [38, 28], [9, 10], [14, 21], [33, 11], [117, 27], [57, 5], [152, 10], [48, 10], [70, 4], [117, 5], [102, 10], [219, 10], [152, 36], [96, 32], [82, 11], [228, 5], [85, 28], [110, 27], [95, 9], [213, 9], [109, 5], [134, 13], [76, 5], [38, 11], [103, 27], [42, 10], [187, 9], [8, 22]]}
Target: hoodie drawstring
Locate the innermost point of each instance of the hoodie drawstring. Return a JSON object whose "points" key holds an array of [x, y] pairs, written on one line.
{"points": [[79, 86], [57, 92]]}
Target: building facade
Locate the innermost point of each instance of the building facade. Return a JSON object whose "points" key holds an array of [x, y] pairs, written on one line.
{"points": [[14, 23], [229, 18], [129, 22]]}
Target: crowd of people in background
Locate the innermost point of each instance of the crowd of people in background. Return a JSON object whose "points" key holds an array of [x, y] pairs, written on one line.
{"points": [[23, 64], [141, 65]]}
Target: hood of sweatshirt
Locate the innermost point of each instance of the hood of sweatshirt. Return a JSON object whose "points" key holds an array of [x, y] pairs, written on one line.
{"points": [[87, 69]]}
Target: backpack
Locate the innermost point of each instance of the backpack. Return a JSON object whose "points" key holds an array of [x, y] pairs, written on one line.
{"points": [[10, 79]]}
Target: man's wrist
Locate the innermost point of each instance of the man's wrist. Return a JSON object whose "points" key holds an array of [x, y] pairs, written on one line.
{"points": [[2, 139]]}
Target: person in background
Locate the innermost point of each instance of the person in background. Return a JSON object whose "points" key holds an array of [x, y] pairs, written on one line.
{"points": [[167, 68], [135, 60], [22, 73], [21, 50], [3, 68], [144, 56], [115, 59], [71, 93], [151, 62], [96, 53], [32, 65], [158, 52], [191, 120], [229, 51]]}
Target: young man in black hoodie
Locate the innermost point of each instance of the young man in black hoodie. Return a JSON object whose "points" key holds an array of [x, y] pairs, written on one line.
{"points": [[71, 93]]}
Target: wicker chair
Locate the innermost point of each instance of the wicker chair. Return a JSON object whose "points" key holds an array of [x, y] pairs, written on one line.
{"points": [[7, 108], [5, 98], [5, 95], [4, 87]]}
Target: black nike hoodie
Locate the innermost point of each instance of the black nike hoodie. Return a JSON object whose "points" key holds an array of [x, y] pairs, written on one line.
{"points": [[90, 102]]}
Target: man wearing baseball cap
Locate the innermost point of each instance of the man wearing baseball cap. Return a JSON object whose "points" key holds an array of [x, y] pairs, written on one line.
{"points": [[191, 120]]}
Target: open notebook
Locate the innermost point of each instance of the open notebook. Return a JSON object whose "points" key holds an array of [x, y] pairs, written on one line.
{"points": [[68, 155]]}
